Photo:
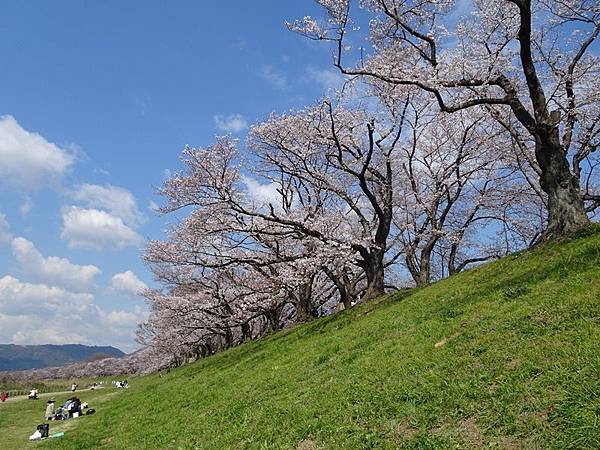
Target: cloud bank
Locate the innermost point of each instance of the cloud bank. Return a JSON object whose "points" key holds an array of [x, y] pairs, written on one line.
{"points": [[41, 314], [52, 270]]}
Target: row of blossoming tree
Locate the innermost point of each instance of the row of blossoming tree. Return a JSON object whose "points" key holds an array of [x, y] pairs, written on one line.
{"points": [[455, 139]]}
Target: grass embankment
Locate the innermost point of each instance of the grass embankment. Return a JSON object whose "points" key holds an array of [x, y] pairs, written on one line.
{"points": [[516, 365]]}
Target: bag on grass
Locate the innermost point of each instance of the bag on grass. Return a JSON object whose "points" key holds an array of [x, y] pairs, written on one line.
{"points": [[35, 436], [44, 429], [90, 411]]}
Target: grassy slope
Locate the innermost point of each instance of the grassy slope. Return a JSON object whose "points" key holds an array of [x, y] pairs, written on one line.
{"points": [[520, 368]]}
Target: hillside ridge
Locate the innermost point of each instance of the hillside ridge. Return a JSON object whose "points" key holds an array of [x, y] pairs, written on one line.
{"points": [[23, 357]]}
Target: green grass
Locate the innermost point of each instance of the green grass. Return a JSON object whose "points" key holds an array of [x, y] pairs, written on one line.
{"points": [[519, 368], [18, 420]]}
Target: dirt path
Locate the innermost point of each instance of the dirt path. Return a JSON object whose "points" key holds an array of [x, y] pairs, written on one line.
{"points": [[47, 394]]}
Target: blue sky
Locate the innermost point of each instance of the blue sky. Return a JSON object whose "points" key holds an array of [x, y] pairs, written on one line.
{"points": [[97, 99]]}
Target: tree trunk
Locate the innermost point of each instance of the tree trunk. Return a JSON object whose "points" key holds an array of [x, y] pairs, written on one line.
{"points": [[246, 332], [374, 270], [304, 307], [420, 267], [345, 297], [346, 300], [273, 320], [424, 276], [343, 285], [566, 213], [225, 339]]}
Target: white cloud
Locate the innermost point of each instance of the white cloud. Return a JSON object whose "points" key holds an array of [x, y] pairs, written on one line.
{"points": [[27, 160], [5, 235], [263, 194], [25, 207], [117, 201], [52, 270], [153, 206], [274, 77], [123, 319], [27, 298], [234, 123], [95, 229], [328, 79], [42, 314], [127, 283]]}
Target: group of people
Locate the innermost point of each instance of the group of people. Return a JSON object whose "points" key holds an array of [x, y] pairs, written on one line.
{"points": [[121, 384], [73, 407]]}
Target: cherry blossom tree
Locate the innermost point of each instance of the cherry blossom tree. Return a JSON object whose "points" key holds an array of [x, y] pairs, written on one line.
{"points": [[529, 62], [433, 157], [235, 267], [449, 179], [339, 161]]}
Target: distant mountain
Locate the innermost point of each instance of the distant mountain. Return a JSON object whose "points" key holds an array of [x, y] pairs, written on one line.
{"points": [[23, 357]]}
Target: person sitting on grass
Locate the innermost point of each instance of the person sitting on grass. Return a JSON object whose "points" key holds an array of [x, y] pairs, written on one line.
{"points": [[50, 409], [73, 405], [33, 395], [76, 405], [60, 414], [67, 408]]}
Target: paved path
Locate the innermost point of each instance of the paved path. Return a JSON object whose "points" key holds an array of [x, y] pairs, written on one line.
{"points": [[46, 395]]}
